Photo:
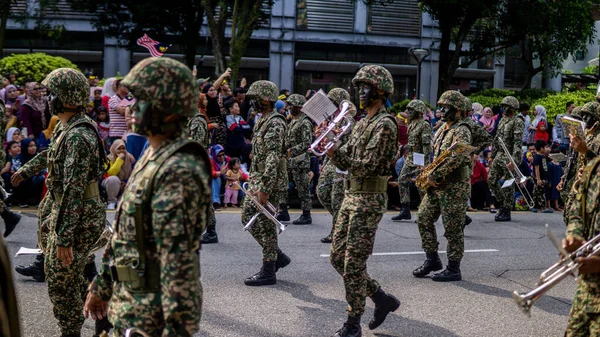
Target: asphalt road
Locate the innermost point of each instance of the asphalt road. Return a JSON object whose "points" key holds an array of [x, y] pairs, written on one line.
{"points": [[308, 299]]}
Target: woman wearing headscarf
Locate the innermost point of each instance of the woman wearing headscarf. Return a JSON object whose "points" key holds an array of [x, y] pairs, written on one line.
{"points": [[216, 114], [34, 111], [10, 96], [219, 169], [121, 165], [13, 134], [540, 116], [487, 120], [35, 184], [108, 91], [46, 135], [477, 111]]}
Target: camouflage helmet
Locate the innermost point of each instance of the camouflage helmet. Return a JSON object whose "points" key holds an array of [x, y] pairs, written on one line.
{"points": [[165, 83], [467, 104], [68, 85], [337, 95], [452, 98], [375, 76], [576, 112], [510, 101], [592, 109], [296, 100], [417, 106], [264, 90]]}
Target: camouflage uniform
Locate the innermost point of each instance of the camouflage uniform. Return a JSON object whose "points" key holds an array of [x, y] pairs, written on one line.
{"points": [[268, 174], [367, 156], [419, 141], [150, 268], [510, 130], [9, 310], [75, 162], [570, 172], [584, 224], [198, 128], [299, 138], [331, 186], [449, 198]]}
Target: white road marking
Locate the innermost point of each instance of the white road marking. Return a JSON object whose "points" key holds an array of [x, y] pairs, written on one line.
{"points": [[422, 253]]}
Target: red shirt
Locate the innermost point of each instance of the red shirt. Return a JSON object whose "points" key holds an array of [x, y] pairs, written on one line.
{"points": [[402, 134], [479, 173]]}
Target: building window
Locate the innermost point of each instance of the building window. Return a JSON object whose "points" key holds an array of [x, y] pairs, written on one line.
{"points": [[395, 18], [331, 15], [580, 55]]}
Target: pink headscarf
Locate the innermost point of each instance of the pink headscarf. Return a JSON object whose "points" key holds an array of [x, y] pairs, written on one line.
{"points": [[485, 120]]}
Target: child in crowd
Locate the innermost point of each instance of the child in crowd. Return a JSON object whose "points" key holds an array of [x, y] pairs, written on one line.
{"points": [[13, 163], [103, 123], [232, 187], [237, 128], [542, 133], [540, 173], [90, 110], [33, 186], [554, 175], [97, 98], [11, 119]]}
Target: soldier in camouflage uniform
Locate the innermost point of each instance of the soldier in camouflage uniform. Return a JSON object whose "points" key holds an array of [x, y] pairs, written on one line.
{"points": [[268, 178], [10, 219], [449, 188], [367, 157], [570, 172], [583, 225], [9, 310], [510, 131], [331, 185], [299, 138], [150, 268], [419, 141], [75, 162], [198, 127]]}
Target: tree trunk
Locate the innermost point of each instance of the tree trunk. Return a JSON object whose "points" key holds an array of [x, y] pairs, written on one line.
{"points": [[217, 31], [192, 35], [245, 23], [444, 73]]}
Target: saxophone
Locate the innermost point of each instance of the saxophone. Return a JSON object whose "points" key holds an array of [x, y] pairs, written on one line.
{"points": [[454, 150]]}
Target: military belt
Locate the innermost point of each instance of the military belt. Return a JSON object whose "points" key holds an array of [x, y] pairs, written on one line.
{"points": [[91, 192], [282, 164], [374, 185]]}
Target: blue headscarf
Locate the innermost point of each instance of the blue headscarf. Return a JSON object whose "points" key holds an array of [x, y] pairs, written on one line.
{"points": [[25, 156]]}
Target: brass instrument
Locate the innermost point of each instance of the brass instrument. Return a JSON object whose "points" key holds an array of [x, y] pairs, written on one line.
{"points": [[267, 210], [336, 129], [103, 239], [3, 193], [559, 271], [518, 176], [454, 150], [131, 332]]}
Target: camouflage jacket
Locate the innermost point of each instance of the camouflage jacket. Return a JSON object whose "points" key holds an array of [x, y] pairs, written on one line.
{"points": [[584, 223], [299, 138], [178, 207], [268, 172], [198, 128], [510, 130], [454, 168], [480, 138], [419, 140], [72, 165]]}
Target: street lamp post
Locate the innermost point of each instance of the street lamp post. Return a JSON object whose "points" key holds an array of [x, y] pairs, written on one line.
{"points": [[419, 54]]}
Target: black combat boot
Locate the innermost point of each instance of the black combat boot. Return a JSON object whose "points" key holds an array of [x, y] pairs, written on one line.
{"points": [[210, 236], [11, 220], [384, 304], [451, 273], [35, 269], [468, 221], [304, 219], [350, 329], [504, 215], [282, 260], [327, 239], [404, 214], [101, 326], [432, 263], [283, 213], [266, 275], [499, 213]]}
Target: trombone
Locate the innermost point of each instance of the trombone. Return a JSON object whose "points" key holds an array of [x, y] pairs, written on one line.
{"points": [[267, 210], [332, 135], [518, 176], [559, 271]]}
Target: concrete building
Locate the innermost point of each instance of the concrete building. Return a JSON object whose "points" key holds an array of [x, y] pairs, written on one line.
{"points": [[307, 44]]}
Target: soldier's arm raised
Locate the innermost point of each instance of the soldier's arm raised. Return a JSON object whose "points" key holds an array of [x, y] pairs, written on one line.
{"points": [[462, 136]]}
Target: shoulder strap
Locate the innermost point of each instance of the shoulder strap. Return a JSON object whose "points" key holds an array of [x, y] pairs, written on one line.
{"points": [[83, 122]]}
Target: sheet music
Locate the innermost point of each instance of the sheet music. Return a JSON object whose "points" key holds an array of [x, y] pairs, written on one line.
{"points": [[508, 183], [418, 159], [319, 108]]}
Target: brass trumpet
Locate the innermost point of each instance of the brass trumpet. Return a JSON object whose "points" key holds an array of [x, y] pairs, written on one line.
{"points": [[3, 193], [337, 128], [131, 332], [559, 271], [267, 210]]}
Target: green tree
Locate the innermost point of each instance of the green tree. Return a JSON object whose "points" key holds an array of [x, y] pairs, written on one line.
{"points": [[33, 66], [128, 20]]}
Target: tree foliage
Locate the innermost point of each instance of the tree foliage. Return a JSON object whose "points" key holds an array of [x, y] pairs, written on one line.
{"points": [[33, 66]]}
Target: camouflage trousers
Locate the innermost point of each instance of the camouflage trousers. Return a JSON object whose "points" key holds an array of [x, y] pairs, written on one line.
{"points": [[449, 201], [330, 191], [264, 230], [212, 218], [404, 183], [568, 195], [584, 322], [67, 287], [539, 195], [504, 196], [352, 244], [300, 178]]}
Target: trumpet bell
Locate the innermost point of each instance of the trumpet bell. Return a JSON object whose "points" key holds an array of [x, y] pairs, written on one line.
{"points": [[522, 302]]}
